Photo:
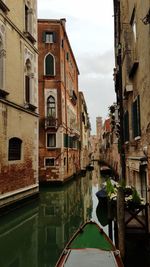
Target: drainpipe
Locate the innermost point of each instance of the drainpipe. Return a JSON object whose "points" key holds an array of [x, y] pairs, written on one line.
{"points": [[66, 105]]}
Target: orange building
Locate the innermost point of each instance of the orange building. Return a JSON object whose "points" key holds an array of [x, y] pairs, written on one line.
{"points": [[59, 131]]}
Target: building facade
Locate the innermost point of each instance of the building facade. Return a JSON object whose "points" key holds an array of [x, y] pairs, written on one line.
{"points": [[84, 132], [132, 85], [18, 100], [58, 103]]}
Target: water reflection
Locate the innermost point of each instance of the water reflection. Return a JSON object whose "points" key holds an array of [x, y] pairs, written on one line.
{"points": [[61, 211], [35, 235], [19, 238]]}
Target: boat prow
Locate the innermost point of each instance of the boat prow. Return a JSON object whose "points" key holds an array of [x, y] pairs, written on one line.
{"points": [[90, 246]]}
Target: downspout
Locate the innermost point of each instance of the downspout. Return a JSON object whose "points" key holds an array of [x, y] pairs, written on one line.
{"points": [[66, 117]]}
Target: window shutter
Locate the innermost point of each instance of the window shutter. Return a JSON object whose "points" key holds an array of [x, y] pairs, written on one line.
{"points": [[44, 37], [65, 140], [27, 89], [126, 126], [136, 117], [54, 37]]}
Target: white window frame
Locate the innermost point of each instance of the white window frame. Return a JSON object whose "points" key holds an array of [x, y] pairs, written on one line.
{"points": [[47, 166], [49, 37], [51, 147]]}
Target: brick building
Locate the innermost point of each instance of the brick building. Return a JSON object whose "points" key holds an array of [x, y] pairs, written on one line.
{"points": [[18, 100], [132, 85], [58, 103]]}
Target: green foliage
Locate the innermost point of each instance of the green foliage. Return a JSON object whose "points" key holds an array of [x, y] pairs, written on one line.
{"points": [[135, 197], [109, 187]]}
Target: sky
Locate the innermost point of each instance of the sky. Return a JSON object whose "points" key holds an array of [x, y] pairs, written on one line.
{"points": [[89, 26]]}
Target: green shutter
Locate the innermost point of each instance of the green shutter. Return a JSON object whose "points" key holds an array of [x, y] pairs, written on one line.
{"points": [[44, 37], [54, 37], [126, 126], [136, 118], [65, 140]]}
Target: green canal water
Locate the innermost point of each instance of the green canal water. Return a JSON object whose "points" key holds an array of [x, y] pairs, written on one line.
{"points": [[34, 235]]}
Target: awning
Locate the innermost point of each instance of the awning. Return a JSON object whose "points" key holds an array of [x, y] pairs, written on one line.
{"points": [[134, 163]]}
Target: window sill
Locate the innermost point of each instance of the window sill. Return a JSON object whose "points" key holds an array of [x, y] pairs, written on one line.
{"points": [[3, 7], [47, 167], [126, 142], [30, 107], [137, 138], [29, 36], [3, 93], [49, 76]]}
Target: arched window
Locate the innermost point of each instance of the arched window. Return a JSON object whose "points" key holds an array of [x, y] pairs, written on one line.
{"points": [[14, 149], [49, 65], [28, 81], [1, 63], [51, 107]]}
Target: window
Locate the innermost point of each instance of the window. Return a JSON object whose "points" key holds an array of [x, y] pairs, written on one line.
{"points": [[49, 162], [136, 118], [14, 150], [28, 81], [28, 19], [51, 107], [126, 126], [51, 140], [49, 65], [49, 37]]}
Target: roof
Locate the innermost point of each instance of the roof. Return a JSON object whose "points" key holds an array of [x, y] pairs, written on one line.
{"points": [[62, 23], [107, 125]]}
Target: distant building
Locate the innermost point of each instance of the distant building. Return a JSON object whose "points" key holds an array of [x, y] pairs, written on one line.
{"points": [[99, 125], [59, 133], [85, 129], [18, 101]]}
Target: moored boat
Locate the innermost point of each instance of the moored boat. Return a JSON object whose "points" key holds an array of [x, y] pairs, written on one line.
{"points": [[90, 246]]}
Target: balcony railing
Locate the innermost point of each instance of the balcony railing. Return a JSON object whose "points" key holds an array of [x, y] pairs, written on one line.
{"points": [[51, 122]]}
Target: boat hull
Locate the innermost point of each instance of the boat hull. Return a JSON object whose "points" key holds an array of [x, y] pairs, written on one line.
{"points": [[90, 246]]}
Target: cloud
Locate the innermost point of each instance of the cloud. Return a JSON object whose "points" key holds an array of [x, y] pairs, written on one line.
{"points": [[89, 27], [99, 95], [96, 64]]}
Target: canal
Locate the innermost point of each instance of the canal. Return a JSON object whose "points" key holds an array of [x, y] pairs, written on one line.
{"points": [[34, 235]]}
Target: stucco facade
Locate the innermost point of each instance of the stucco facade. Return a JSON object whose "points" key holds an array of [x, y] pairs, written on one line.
{"points": [[58, 103], [132, 40], [85, 129], [18, 101]]}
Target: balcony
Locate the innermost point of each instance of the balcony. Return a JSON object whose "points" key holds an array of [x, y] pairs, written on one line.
{"points": [[51, 123]]}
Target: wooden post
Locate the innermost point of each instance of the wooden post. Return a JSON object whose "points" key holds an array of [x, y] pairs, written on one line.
{"points": [[121, 221]]}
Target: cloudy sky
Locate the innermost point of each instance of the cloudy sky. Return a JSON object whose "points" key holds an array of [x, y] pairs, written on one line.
{"points": [[89, 28]]}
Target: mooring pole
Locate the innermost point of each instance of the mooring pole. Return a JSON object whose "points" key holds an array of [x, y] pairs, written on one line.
{"points": [[119, 91]]}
